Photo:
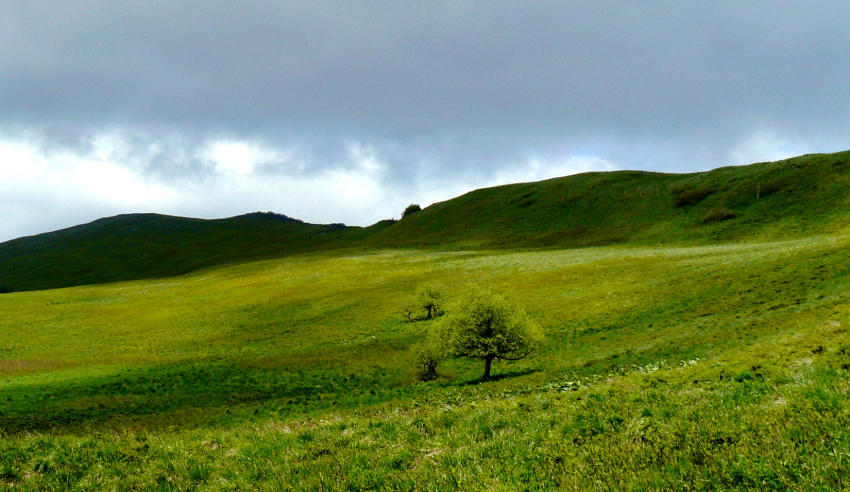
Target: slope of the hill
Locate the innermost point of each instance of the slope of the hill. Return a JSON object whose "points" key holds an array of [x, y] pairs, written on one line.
{"points": [[724, 366], [135, 246], [789, 198]]}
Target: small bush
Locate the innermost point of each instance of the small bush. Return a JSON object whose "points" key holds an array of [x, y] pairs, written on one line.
{"points": [[692, 197], [428, 356], [411, 209], [408, 312], [718, 215]]}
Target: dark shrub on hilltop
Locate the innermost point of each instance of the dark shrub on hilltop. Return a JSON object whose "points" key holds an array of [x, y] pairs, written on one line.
{"points": [[411, 209]]}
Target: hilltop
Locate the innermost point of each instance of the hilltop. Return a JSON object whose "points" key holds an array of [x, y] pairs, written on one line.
{"points": [[789, 198]]}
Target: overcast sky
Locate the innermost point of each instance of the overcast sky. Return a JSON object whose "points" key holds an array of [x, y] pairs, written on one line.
{"points": [[348, 111]]}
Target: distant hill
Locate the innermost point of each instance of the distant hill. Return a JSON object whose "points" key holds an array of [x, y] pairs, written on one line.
{"points": [[789, 198], [135, 246], [793, 197]]}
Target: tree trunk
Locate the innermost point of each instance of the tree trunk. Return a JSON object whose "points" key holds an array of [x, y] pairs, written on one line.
{"points": [[487, 361]]}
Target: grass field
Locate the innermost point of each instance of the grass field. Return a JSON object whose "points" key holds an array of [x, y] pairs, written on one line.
{"points": [[707, 366]]}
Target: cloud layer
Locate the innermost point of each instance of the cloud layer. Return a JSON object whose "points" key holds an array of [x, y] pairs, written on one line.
{"points": [[348, 111]]}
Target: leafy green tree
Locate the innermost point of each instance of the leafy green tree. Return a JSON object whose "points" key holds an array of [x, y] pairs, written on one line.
{"points": [[485, 325], [429, 299], [411, 209]]}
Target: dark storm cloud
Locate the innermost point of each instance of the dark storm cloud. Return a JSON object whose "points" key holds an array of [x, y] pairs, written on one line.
{"points": [[443, 91], [458, 79]]}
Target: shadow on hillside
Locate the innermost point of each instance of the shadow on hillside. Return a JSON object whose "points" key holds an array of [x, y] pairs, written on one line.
{"points": [[185, 395], [499, 376]]}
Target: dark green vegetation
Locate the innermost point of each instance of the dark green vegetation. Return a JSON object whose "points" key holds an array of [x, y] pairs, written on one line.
{"points": [[128, 247], [705, 352], [791, 198], [411, 209]]}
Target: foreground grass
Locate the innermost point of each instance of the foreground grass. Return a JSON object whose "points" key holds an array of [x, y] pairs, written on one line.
{"points": [[664, 367], [710, 424]]}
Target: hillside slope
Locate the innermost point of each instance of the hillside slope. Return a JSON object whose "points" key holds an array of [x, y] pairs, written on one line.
{"points": [[794, 197], [790, 198], [128, 247], [664, 368]]}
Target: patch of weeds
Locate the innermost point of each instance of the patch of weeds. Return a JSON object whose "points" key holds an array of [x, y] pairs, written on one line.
{"points": [[718, 214], [525, 200], [199, 472], [688, 197]]}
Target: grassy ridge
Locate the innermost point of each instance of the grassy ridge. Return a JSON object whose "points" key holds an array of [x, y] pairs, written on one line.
{"points": [[128, 247], [791, 198], [773, 200]]}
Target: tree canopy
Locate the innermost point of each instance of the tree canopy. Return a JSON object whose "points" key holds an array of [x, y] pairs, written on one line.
{"points": [[411, 209], [486, 325], [429, 299]]}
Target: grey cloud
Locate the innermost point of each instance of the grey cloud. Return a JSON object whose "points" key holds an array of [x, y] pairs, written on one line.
{"points": [[441, 90], [400, 71]]}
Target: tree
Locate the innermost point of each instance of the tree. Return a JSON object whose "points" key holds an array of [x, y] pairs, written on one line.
{"points": [[429, 299], [485, 325], [411, 209]]}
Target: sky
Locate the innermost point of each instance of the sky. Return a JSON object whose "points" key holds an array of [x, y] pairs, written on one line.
{"points": [[349, 111]]}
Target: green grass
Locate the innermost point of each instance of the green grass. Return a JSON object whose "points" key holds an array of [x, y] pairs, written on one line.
{"points": [[697, 338], [691, 366], [791, 198], [794, 198]]}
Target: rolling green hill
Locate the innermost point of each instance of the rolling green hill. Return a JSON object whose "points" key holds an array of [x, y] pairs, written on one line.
{"points": [[794, 197], [789, 198], [696, 339], [774, 200], [128, 247]]}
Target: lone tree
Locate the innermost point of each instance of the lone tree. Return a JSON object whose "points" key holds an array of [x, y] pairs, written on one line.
{"points": [[486, 325], [429, 299], [411, 209]]}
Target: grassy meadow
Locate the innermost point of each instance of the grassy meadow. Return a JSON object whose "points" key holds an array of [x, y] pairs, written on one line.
{"points": [[665, 366]]}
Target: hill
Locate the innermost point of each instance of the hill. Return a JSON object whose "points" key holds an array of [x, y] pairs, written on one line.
{"points": [[788, 198], [134, 246], [791, 198]]}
